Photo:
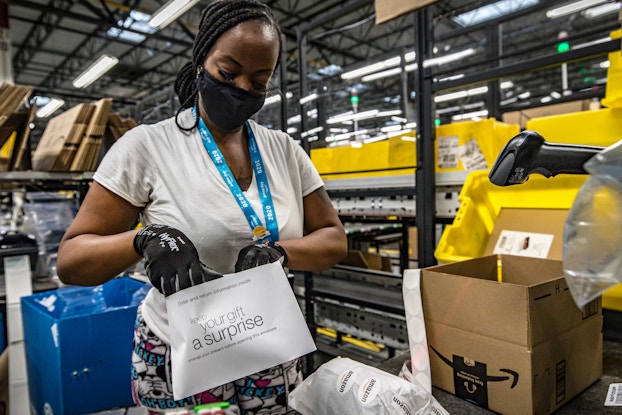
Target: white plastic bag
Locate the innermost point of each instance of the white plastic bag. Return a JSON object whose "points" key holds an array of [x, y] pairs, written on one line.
{"points": [[592, 256], [344, 386]]}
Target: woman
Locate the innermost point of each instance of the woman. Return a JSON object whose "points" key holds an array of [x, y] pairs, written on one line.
{"points": [[193, 181]]}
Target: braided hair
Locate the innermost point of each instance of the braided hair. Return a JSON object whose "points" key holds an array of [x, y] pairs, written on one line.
{"points": [[216, 19]]}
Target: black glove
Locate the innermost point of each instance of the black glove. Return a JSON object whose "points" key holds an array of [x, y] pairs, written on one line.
{"points": [[171, 260], [255, 255]]}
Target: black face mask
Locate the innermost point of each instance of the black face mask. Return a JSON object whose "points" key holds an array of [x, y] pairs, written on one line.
{"points": [[227, 105]]}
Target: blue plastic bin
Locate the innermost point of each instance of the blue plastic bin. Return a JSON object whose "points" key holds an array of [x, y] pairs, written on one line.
{"points": [[78, 343]]}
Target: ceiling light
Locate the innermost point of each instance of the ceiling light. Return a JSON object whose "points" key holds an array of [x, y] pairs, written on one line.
{"points": [[375, 67], [450, 96], [389, 113], [391, 128], [308, 98], [49, 108], [556, 95], [411, 125], [292, 130], [524, 95], [470, 115], [272, 100], [399, 119], [492, 11], [383, 74], [572, 8], [312, 131], [95, 71], [477, 91], [170, 12], [546, 100], [352, 117], [295, 119], [452, 78], [591, 43], [441, 60], [506, 85], [601, 10], [339, 137], [604, 64]]}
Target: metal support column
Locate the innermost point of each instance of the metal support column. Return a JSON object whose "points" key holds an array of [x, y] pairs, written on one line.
{"points": [[404, 88], [322, 115], [493, 51], [425, 180]]}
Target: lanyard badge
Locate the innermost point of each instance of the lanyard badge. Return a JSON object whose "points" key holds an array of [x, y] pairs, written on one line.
{"points": [[260, 232]]}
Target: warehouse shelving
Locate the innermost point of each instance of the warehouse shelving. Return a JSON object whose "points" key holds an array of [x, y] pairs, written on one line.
{"points": [[362, 200]]}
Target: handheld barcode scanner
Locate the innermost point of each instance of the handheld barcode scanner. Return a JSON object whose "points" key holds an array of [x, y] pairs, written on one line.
{"points": [[528, 153]]}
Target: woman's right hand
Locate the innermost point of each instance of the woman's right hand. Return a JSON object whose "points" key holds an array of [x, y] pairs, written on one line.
{"points": [[171, 259]]}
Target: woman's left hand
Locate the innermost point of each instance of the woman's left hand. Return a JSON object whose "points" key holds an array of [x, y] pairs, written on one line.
{"points": [[258, 254]]}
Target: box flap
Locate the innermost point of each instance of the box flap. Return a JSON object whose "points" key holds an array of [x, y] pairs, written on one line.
{"points": [[536, 232], [528, 271], [520, 300], [466, 295]]}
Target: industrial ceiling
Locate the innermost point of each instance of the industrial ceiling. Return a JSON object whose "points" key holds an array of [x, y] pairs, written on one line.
{"points": [[52, 41]]}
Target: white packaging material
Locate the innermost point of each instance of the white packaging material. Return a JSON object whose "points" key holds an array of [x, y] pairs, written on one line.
{"points": [[415, 324], [344, 386]]}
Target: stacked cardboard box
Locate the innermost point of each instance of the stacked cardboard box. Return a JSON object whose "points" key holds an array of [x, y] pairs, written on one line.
{"points": [[88, 152], [119, 126], [15, 116], [77, 139], [61, 138]]}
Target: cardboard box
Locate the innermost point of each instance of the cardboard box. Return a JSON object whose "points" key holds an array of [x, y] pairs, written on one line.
{"points": [[390, 9], [367, 260], [523, 116], [66, 128], [413, 242], [78, 343], [520, 346], [533, 224]]}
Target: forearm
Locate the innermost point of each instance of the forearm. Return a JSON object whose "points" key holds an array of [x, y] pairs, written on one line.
{"points": [[317, 251], [90, 259]]}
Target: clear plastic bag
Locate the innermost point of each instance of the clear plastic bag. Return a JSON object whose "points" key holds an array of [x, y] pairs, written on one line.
{"points": [[592, 248]]}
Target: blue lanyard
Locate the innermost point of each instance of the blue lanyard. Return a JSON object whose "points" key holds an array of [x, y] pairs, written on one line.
{"points": [[271, 230]]}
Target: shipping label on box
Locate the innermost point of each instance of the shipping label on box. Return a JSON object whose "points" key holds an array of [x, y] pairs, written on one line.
{"points": [[523, 243], [536, 232]]}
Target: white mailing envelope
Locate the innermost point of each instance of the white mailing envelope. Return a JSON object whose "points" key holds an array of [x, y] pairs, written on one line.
{"points": [[234, 326]]}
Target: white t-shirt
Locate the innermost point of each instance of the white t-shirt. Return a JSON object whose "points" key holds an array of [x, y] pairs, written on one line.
{"points": [[169, 174]]}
